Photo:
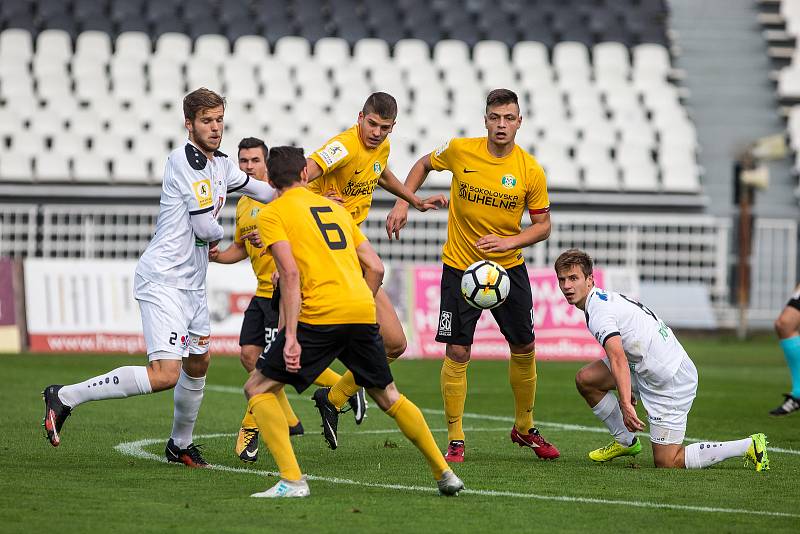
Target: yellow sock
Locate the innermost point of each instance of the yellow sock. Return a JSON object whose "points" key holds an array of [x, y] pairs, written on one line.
{"points": [[327, 378], [248, 421], [275, 432], [454, 392], [345, 388], [522, 375], [410, 421], [291, 417]]}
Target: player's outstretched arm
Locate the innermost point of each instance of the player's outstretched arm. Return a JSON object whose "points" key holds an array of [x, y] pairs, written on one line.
{"points": [[206, 227], [398, 217], [539, 230], [234, 253], [313, 169], [622, 377], [371, 264], [390, 182], [289, 280]]}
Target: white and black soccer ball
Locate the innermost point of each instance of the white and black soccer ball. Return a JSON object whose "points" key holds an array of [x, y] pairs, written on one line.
{"points": [[485, 284]]}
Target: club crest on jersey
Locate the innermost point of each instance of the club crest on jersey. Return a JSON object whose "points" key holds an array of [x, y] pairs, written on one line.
{"points": [[184, 342], [377, 167], [602, 295], [202, 192], [508, 181]]}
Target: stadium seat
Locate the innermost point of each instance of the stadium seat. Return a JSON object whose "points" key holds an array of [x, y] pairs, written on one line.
{"points": [[133, 46], [332, 52], [171, 45], [251, 48], [129, 168], [680, 177], [371, 51], [53, 167], [450, 53], [15, 43], [411, 52], [292, 50], [561, 173], [90, 168], [213, 49], [95, 45], [639, 172], [16, 167]]}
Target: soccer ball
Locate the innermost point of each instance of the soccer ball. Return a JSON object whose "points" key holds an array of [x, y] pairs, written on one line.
{"points": [[485, 285]]}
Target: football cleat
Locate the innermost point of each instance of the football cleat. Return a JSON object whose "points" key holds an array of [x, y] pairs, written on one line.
{"points": [[790, 405], [247, 444], [535, 441], [757, 452], [55, 413], [286, 488], [358, 403], [455, 451], [615, 450], [297, 430], [190, 456], [329, 415], [449, 484]]}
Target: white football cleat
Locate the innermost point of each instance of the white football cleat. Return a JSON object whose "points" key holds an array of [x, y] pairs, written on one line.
{"points": [[286, 488], [449, 484]]}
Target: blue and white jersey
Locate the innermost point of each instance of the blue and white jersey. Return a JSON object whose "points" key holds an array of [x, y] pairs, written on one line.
{"points": [[653, 351], [192, 185]]}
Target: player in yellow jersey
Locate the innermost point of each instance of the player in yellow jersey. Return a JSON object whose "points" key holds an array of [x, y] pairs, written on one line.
{"points": [[347, 169], [494, 182], [260, 325], [329, 310]]}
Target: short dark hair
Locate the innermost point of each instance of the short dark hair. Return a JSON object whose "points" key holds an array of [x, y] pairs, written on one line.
{"points": [[254, 142], [200, 99], [381, 103], [572, 257], [284, 165], [499, 97]]}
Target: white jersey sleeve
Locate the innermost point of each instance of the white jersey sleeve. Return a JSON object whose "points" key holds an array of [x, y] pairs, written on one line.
{"points": [[602, 322]]}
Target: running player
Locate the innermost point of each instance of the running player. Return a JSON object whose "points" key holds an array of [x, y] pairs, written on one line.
{"points": [[329, 311], [347, 169], [787, 326], [494, 182], [170, 283], [260, 324], [642, 354]]}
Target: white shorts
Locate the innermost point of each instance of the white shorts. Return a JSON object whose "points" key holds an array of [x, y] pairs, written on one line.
{"points": [[175, 321], [667, 404]]}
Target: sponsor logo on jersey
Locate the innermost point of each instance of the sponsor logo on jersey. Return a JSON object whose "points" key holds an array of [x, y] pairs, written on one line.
{"points": [[487, 197], [508, 181], [202, 192], [201, 341], [354, 189], [254, 212], [442, 148], [332, 153], [377, 167]]}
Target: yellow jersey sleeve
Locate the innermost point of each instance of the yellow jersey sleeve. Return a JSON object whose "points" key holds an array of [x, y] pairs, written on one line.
{"points": [[240, 206], [441, 157], [537, 199], [335, 153], [261, 261], [270, 226], [358, 235]]}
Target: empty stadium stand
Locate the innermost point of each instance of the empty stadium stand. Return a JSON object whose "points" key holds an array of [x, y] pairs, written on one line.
{"points": [[90, 89]]}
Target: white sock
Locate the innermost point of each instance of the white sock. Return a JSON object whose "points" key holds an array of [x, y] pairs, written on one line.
{"points": [[700, 455], [608, 411], [188, 396], [119, 383]]}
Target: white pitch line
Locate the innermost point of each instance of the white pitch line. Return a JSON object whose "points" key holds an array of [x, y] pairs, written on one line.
{"points": [[506, 419], [136, 449]]}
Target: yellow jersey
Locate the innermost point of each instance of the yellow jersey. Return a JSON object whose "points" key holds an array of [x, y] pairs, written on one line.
{"points": [[488, 195], [351, 169], [263, 265], [324, 238]]}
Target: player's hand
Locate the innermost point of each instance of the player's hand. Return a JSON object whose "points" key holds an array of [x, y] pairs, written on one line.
{"points": [[254, 238], [291, 354], [332, 194], [397, 219], [431, 203], [492, 243], [274, 278], [629, 417], [213, 250]]}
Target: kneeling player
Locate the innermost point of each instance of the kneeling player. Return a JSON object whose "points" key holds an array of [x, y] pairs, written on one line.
{"points": [[317, 245], [641, 352]]}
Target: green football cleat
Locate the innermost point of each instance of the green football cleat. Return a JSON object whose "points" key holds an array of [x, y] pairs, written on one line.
{"points": [[614, 450], [757, 452]]}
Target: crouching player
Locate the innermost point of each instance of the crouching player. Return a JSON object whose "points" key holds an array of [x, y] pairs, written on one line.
{"points": [[641, 351], [320, 253]]}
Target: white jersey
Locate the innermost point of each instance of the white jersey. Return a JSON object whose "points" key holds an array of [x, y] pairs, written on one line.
{"points": [[192, 185], [653, 351]]}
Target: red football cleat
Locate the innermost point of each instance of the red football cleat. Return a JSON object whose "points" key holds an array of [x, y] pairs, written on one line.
{"points": [[535, 441], [455, 451]]}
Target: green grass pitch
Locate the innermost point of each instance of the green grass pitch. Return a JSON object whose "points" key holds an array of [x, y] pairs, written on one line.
{"points": [[376, 480]]}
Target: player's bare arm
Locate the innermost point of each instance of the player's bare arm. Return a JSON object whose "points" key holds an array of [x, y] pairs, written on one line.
{"points": [[539, 230], [372, 266], [314, 172], [622, 377], [389, 182], [398, 217], [289, 280], [233, 254]]}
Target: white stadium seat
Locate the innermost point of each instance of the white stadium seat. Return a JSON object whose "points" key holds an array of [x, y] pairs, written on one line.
{"points": [[611, 59], [176, 46], [450, 53], [27, 142], [371, 51], [487, 54], [571, 57], [15, 43], [17, 167], [93, 44], [332, 52], [133, 46], [90, 168], [561, 173], [52, 167], [411, 52], [292, 50], [129, 168], [530, 56], [251, 48], [54, 45], [214, 49]]}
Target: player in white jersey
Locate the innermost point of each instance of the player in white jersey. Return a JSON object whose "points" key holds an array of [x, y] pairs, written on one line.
{"points": [[170, 283], [643, 356]]}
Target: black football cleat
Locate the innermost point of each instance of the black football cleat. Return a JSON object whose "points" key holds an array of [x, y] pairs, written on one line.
{"points": [[329, 415], [55, 413], [190, 456]]}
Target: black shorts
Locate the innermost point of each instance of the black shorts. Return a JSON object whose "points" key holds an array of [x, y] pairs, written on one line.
{"points": [[457, 319], [358, 346], [794, 302], [260, 324]]}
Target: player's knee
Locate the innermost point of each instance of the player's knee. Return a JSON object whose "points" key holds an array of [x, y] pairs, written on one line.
{"points": [[458, 353], [396, 348], [163, 376], [784, 328], [523, 349], [583, 381]]}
